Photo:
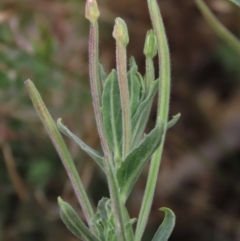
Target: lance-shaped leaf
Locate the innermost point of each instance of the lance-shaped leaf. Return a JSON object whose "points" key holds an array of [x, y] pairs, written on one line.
{"points": [[74, 223], [134, 86], [112, 114], [140, 118], [173, 121], [143, 86], [131, 167], [103, 74], [164, 231], [91, 152], [62, 150]]}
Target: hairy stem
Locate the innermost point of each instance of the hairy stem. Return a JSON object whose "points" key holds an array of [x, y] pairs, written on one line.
{"points": [[118, 208], [125, 102], [120, 33], [149, 74], [162, 117], [95, 83]]}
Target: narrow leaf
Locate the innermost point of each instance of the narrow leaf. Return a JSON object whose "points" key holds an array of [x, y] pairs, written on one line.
{"points": [[112, 114], [140, 118], [103, 75], [164, 231], [62, 150], [134, 86], [173, 121], [91, 152], [134, 162], [142, 82], [74, 223]]}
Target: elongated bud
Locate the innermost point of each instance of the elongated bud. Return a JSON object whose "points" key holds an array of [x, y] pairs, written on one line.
{"points": [[150, 47], [120, 32], [91, 11]]}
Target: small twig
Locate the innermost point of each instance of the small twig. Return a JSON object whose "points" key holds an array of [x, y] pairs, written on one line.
{"points": [[16, 179]]}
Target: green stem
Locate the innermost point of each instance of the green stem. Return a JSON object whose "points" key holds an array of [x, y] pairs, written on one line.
{"points": [[124, 93], [219, 29], [95, 83], [62, 151], [149, 74], [118, 208], [162, 117]]}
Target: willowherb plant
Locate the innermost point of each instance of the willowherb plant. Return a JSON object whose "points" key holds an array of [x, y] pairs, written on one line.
{"points": [[122, 101]]}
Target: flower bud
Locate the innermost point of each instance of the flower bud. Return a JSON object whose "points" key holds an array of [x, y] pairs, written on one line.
{"points": [[150, 46], [120, 32], [91, 11]]}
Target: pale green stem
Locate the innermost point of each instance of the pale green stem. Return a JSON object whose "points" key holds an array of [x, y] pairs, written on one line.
{"points": [[95, 83], [124, 93], [162, 117], [149, 73], [62, 151], [118, 208], [96, 93], [218, 27]]}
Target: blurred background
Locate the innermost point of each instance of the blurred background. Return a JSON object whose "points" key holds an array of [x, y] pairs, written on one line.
{"points": [[46, 41]]}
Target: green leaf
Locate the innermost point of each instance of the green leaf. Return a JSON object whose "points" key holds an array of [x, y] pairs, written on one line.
{"points": [[74, 223], [140, 118], [143, 86], [166, 228], [91, 152], [131, 167], [96, 221], [173, 121], [237, 2], [62, 150], [103, 208], [105, 221], [112, 114], [103, 74], [134, 86], [129, 224]]}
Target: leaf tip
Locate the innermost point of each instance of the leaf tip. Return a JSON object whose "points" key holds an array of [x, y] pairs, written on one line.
{"points": [[59, 121], [60, 201], [167, 211]]}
